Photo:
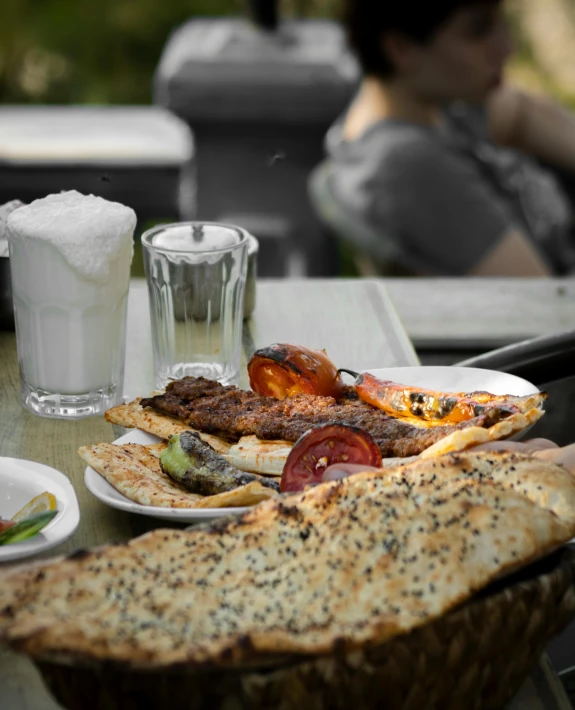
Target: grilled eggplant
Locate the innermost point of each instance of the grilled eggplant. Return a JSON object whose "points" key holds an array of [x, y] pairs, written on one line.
{"points": [[194, 463]]}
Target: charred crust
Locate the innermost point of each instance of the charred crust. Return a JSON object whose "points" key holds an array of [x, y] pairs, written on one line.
{"points": [[190, 439], [492, 416], [227, 654], [278, 353], [339, 644], [245, 642], [219, 527], [507, 411], [290, 511], [80, 554]]}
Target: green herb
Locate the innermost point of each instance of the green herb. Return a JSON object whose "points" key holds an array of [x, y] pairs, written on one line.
{"points": [[26, 529]]}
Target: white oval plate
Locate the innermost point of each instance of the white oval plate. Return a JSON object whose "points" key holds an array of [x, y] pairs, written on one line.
{"points": [[447, 379], [20, 481], [98, 486]]}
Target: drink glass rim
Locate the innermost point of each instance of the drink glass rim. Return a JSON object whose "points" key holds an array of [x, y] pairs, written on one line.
{"points": [[150, 233]]}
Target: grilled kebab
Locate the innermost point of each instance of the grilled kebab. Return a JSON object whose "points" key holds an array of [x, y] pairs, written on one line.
{"points": [[227, 411]]}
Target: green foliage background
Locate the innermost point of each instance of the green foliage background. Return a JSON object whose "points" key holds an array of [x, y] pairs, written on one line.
{"points": [[99, 51], [105, 51]]}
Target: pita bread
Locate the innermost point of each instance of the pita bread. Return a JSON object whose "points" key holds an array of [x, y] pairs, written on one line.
{"points": [[157, 449], [462, 439], [257, 456], [133, 416], [341, 565], [136, 474]]}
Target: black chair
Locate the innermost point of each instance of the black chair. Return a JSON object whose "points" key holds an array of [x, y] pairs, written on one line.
{"points": [[372, 253]]}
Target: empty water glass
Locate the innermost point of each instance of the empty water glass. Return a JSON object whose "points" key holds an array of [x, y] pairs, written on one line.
{"points": [[196, 275]]}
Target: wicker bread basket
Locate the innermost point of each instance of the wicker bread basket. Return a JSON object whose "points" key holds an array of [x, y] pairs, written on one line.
{"points": [[474, 657]]}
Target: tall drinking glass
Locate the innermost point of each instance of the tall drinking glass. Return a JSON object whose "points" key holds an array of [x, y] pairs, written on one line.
{"points": [[196, 274], [70, 257]]}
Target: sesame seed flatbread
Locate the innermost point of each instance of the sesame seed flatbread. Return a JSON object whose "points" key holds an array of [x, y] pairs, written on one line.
{"points": [[337, 567], [552, 488]]}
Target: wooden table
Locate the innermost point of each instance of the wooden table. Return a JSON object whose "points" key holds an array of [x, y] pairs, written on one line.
{"points": [[354, 320]]}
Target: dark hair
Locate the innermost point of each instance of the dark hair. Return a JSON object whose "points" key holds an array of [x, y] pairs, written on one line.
{"points": [[419, 20]]}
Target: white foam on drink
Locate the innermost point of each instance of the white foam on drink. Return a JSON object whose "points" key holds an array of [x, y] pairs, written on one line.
{"points": [[206, 238], [88, 231]]}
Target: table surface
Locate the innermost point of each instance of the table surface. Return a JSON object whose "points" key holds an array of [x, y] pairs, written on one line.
{"points": [[355, 320], [482, 314]]}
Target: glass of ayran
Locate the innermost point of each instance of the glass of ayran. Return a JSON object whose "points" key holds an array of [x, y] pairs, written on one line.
{"points": [[70, 257]]}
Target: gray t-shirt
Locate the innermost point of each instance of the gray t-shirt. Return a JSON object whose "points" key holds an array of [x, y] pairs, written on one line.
{"points": [[444, 197]]}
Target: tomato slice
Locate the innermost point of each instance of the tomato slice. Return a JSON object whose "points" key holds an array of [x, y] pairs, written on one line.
{"points": [[322, 446], [283, 370]]}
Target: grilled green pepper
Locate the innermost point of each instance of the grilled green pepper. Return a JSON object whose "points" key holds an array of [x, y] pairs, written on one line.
{"points": [[26, 528], [194, 463]]}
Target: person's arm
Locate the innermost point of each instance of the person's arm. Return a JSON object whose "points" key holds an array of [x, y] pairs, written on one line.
{"points": [[533, 124], [512, 256]]}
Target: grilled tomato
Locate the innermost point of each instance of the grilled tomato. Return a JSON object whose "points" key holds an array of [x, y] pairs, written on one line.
{"points": [[322, 446], [281, 371]]}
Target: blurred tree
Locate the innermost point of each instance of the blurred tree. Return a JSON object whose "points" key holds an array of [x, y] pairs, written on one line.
{"points": [[88, 51], [99, 51], [105, 51]]}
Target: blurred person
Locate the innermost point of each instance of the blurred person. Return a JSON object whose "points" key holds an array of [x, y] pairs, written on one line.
{"points": [[441, 158]]}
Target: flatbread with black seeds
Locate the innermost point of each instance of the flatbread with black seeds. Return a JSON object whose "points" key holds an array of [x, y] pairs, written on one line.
{"points": [[336, 567], [550, 488]]}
